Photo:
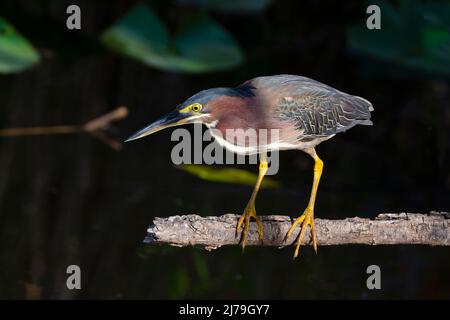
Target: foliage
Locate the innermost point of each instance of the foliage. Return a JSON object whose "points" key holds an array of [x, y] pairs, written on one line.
{"points": [[232, 6], [16, 53], [414, 35], [227, 175], [202, 45]]}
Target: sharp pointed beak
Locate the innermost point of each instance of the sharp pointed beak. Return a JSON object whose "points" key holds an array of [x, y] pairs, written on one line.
{"points": [[171, 119]]}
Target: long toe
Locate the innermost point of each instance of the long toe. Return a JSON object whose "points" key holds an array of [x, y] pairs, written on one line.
{"points": [[244, 223], [306, 219]]}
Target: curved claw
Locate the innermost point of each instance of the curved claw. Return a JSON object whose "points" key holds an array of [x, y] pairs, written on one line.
{"points": [[306, 219], [244, 221]]}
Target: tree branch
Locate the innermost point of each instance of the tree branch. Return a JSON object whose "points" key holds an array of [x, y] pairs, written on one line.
{"points": [[386, 229]]}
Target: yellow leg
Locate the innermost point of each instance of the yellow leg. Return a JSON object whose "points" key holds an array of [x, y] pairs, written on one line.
{"points": [[250, 211], [307, 218]]}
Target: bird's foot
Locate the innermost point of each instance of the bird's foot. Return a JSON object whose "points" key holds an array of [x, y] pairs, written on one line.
{"points": [[244, 221], [306, 219]]}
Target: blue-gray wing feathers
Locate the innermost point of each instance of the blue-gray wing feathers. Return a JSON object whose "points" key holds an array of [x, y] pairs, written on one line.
{"points": [[320, 112]]}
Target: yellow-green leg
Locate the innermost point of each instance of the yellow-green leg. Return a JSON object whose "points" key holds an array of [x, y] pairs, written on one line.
{"points": [[250, 211], [307, 218]]}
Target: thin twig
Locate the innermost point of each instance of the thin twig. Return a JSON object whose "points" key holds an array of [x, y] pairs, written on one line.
{"points": [[93, 127], [35, 131], [105, 120]]}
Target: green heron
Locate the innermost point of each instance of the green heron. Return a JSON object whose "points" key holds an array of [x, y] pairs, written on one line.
{"points": [[304, 111]]}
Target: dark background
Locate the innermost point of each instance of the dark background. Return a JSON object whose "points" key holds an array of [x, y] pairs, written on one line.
{"points": [[71, 199]]}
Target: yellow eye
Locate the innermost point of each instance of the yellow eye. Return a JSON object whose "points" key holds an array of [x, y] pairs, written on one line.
{"points": [[196, 107]]}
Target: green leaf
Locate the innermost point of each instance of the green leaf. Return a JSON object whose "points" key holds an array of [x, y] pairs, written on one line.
{"points": [[206, 46], [227, 175], [16, 53], [202, 46], [234, 6]]}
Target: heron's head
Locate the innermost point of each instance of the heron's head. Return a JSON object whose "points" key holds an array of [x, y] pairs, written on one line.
{"points": [[207, 107]]}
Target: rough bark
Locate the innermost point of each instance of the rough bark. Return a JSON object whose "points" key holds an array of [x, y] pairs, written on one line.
{"points": [[386, 229]]}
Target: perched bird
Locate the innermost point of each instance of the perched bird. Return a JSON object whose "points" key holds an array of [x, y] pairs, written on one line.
{"points": [[304, 112]]}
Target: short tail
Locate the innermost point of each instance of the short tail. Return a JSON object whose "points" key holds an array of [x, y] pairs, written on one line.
{"points": [[365, 108]]}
